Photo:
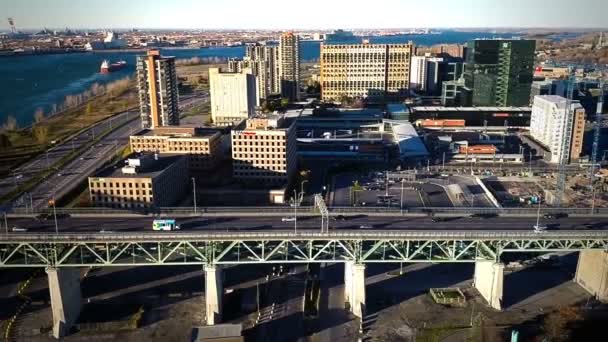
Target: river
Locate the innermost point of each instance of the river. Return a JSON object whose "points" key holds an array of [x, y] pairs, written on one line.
{"points": [[41, 81]]}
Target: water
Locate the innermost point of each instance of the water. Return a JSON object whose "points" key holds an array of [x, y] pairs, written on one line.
{"points": [[31, 82]]}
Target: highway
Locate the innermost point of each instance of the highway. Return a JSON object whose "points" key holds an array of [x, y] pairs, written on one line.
{"points": [[79, 169], [39, 164], [256, 223]]}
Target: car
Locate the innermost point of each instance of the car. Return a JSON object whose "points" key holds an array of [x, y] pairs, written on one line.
{"points": [[365, 226], [340, 217], [437, 219], [538, 228], [484, 215], [18, 229], [104, 231], [549, 216], [43, 217], [288, 219], [62, 216]]}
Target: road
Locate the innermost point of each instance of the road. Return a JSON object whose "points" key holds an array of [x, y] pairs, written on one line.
{"points": [[41, 163], [76, 171], [253, 223]]}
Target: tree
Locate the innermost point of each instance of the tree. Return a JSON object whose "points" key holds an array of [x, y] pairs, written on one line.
{"points": [[89, 109], [39, 115], [556, 324], [11, 123], [284, 102], [41, 133]]}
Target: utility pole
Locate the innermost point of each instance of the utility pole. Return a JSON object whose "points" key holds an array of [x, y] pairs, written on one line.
{"points": [[5, 223], [194, 192], [530, 170], [55, 215], [443, 161]]}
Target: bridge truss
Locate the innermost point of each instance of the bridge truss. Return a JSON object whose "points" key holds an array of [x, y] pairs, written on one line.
{"points": [[130, 249]]}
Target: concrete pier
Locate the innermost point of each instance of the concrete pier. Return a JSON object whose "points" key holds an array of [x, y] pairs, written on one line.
{"points": [[214, 290], [488, 280], [592, 273], [66, 298], [354, 287]]}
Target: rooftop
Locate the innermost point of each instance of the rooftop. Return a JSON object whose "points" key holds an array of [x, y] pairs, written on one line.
{"points": [[469, 109], [180, 132], [147, 166]]}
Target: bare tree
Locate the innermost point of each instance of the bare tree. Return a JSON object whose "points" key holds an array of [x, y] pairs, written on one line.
{"points": [[11, 123], [39, 115]]}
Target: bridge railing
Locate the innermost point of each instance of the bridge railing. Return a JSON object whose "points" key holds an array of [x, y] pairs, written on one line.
{"points": [[286, 210]]}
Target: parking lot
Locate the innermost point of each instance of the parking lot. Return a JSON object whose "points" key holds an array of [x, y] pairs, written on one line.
{"points": [[375, 191]]}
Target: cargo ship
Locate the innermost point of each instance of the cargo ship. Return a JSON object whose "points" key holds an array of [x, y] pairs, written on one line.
{"points": [[107, 67]]}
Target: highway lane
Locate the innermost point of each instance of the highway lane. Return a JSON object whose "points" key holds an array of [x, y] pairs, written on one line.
{"points": [[80, 168], [245, 223]]}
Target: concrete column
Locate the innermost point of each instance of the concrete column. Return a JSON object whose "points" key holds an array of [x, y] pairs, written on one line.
{"points": [[489, 281], [348, 280], [354, 287], [214, 291], [66, 298], [592, 273]]}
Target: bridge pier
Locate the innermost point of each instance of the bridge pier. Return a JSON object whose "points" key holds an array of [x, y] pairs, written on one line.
{"points": [[214, 290], [488, 280], [592, 273], [354, 287], [66, 298]]}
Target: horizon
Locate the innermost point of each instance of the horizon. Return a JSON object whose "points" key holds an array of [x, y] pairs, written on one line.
{"points": [[270, 15]]}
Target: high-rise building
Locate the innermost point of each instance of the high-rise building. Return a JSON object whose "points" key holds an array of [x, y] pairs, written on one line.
{"points": [[265, 151], [373, 71], [549, 126], [158, 94], [289, 65], [264, 64], [499, 72], [233, 96], [418, 73]]}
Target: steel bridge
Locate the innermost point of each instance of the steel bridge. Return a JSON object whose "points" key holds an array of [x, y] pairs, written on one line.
{"points": [[213, 248]]}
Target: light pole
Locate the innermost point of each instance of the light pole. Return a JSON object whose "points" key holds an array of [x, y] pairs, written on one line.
{"points": [[538, 213], [55, 215], [402, 197], [443, 161], [295, 211], [302, 189], [530, 157], [5, 223], [194, 192]]}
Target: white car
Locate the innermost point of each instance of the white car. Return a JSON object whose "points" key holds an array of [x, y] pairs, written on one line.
{"points": [[288, 219], [17, 229], [539, 228], [364, 226]]}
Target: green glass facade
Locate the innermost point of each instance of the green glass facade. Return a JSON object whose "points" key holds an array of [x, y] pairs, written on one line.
{"points": [[499, 72]]}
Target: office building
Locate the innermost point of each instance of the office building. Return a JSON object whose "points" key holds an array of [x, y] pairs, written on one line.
{"points": [[372, 71], [435, 67], [289, 65], [202, 148], [147, 180], [264, 151], [499, 72], [543, 72], [418, 73], [451, 93], [233, 96], [158, 94], [549, 126]]}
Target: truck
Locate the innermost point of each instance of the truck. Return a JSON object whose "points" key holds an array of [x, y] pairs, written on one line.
{"points": [[167, 224]]}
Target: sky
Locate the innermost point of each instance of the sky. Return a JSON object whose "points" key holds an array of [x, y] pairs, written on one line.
{"points": [[303, 14]]}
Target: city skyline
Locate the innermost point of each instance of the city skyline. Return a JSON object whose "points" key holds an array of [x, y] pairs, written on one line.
{"points": [[190, 14]]}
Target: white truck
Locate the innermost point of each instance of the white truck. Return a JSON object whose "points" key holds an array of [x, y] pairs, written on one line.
{"points": [[165, 225]]}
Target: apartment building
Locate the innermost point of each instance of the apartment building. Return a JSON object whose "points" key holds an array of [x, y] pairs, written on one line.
{"points": [[201, 148], [146, 181], [264, 151], [373, 71], [289, 65], [233, 96], [158, 94], [263, 60], [549, 126]]}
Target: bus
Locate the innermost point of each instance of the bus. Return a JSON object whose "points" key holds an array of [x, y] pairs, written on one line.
{"points": [[164, 225]]}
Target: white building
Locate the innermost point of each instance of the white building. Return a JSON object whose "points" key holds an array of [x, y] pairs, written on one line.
{"points": [[233, 96], [548, 126], [418, 73]]}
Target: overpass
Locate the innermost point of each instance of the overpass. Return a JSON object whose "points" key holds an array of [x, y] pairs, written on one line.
{"points": [[63, 254]]}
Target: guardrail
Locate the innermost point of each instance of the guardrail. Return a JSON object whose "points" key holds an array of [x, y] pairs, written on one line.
{"points": [[283, 210]]}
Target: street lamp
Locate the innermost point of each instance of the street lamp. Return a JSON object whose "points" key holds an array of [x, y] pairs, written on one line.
{"points": [[402, 196], [194, 192], [302, 189], [295, 211]]}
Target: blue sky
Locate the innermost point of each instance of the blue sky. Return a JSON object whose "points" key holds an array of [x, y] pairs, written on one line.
{"points": [[303, 14]]}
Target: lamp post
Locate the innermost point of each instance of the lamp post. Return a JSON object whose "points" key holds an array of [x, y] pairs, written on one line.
{"points": [[194, 192], [302, 189], [295, 211], [401, 206]]}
